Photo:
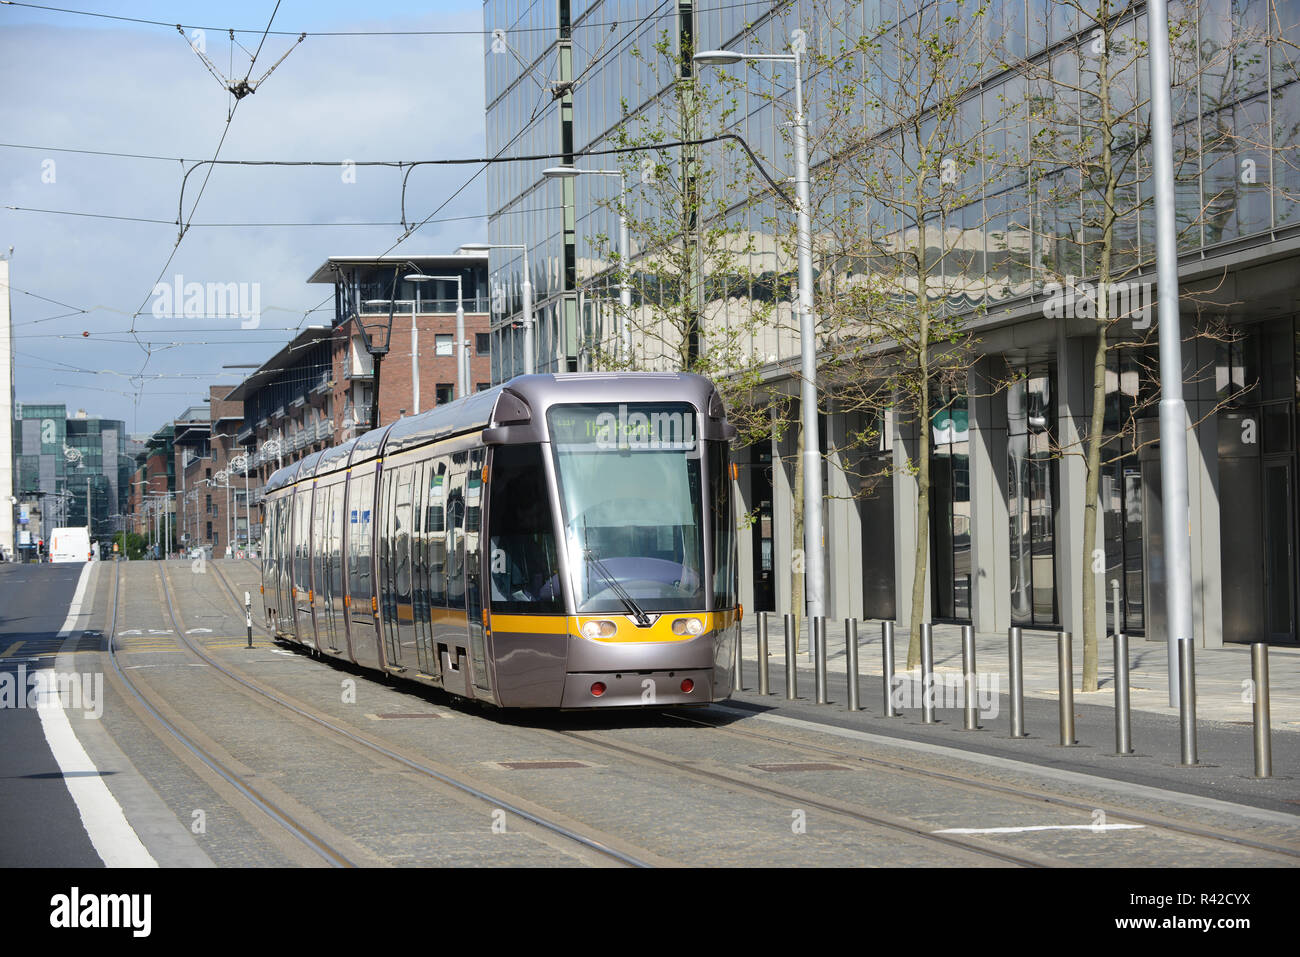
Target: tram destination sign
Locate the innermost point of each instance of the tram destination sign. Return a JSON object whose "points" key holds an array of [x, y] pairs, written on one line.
{"points": [[634, 426]]}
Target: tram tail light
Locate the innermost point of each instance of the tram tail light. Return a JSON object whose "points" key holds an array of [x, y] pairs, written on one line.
{"points": [[687, 686], [597, 689]]}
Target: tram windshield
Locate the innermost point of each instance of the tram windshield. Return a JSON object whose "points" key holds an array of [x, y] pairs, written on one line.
{"points": [[630, 491]]}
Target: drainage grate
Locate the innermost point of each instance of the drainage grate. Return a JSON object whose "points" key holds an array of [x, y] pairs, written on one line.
{"points": [[539, 765], [783, 768]]}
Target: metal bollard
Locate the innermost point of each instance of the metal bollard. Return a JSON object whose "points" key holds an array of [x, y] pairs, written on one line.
{"points": [[1015, 652], [1065, 685], [819, 648], [762, 653], [248, 616], [851, 659], [968, 676], [739, 672], [887, 649], [927, 674], [1115, 604], [791, 673], [1263, 742], [1123, 722], [1187, 701]]}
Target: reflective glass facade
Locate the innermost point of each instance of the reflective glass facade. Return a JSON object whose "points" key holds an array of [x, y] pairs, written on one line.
{"points": [[1026, 218]]}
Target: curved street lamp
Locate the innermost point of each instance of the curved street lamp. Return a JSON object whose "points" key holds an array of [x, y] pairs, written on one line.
{"points": [[814, 574]]}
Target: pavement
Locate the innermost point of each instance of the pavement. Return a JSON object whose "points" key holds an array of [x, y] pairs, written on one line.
{"points": [[1222, 674]]}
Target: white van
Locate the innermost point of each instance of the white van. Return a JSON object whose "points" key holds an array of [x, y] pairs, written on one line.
{"points": [[70, 545]]}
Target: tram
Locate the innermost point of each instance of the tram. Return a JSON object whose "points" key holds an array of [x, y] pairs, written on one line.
{"points": [[558, 541]]}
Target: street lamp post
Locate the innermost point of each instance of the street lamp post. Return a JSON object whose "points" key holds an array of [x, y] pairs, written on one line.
{"points": [[375, 337], [1173, 415], [527, 289], [624, 246], [814, 565], [462, 354]]}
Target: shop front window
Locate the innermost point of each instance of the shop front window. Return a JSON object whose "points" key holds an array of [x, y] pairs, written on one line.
{"points": [[1032, 493]]}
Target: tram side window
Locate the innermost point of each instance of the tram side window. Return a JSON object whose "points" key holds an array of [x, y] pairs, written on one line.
{"points": [[336, 541], [456, 538], [301, 539], [361, 496], [524, 571], [401, 536], [435, 523]]}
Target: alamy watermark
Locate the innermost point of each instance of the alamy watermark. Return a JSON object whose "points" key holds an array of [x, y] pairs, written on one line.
{"points": [[674, 431], [947, 690], [73, 691], [1086, 300], [208, 300]]}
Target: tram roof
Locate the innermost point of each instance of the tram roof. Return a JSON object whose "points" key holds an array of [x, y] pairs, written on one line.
{"points": [[520, 399]]}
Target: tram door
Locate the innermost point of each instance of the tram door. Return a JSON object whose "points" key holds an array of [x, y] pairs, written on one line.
{"points": [[474, 597], [317, 590], [361, 589], [395, 569], [278, 543], [302, 624], [424, 658], [329, 507], [452, 643]]}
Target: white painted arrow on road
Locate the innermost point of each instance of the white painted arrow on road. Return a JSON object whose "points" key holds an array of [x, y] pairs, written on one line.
{"points": [[199, 631]]}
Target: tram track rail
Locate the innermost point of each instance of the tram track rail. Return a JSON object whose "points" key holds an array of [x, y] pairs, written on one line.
{"points": [[857, 816], [915, 830], [626, 857], [260, 802]]}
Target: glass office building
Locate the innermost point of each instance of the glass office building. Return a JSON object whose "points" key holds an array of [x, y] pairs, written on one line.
{"points": [[566, 77], [76, 467]]}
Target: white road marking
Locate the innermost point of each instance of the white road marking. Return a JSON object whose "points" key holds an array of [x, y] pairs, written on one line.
{"points": [[1040, 827], [114, 839]]}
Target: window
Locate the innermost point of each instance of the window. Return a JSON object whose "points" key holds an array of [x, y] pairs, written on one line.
{"points": [[443, 344], [444, 392], [950, 508], [483, 343], [1031, 499], [525, 574]]}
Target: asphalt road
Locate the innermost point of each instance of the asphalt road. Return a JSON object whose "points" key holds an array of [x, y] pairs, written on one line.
{"points": [[41, 826]]}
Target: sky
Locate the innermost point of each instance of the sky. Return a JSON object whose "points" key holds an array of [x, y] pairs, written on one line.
{"points": [[91, 329]]}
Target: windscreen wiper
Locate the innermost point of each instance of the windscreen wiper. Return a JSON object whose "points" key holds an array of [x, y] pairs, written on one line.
{"points": [[641, 617]]}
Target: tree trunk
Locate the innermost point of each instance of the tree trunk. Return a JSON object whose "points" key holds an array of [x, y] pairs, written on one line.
{"points": [[919, 604]]}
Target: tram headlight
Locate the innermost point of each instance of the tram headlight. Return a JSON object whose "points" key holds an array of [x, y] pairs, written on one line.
{"points": [[688, 626], [599, 629]]}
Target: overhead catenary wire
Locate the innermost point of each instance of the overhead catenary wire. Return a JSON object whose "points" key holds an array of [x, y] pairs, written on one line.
{"points": [[407, 230], [172, 24]]}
